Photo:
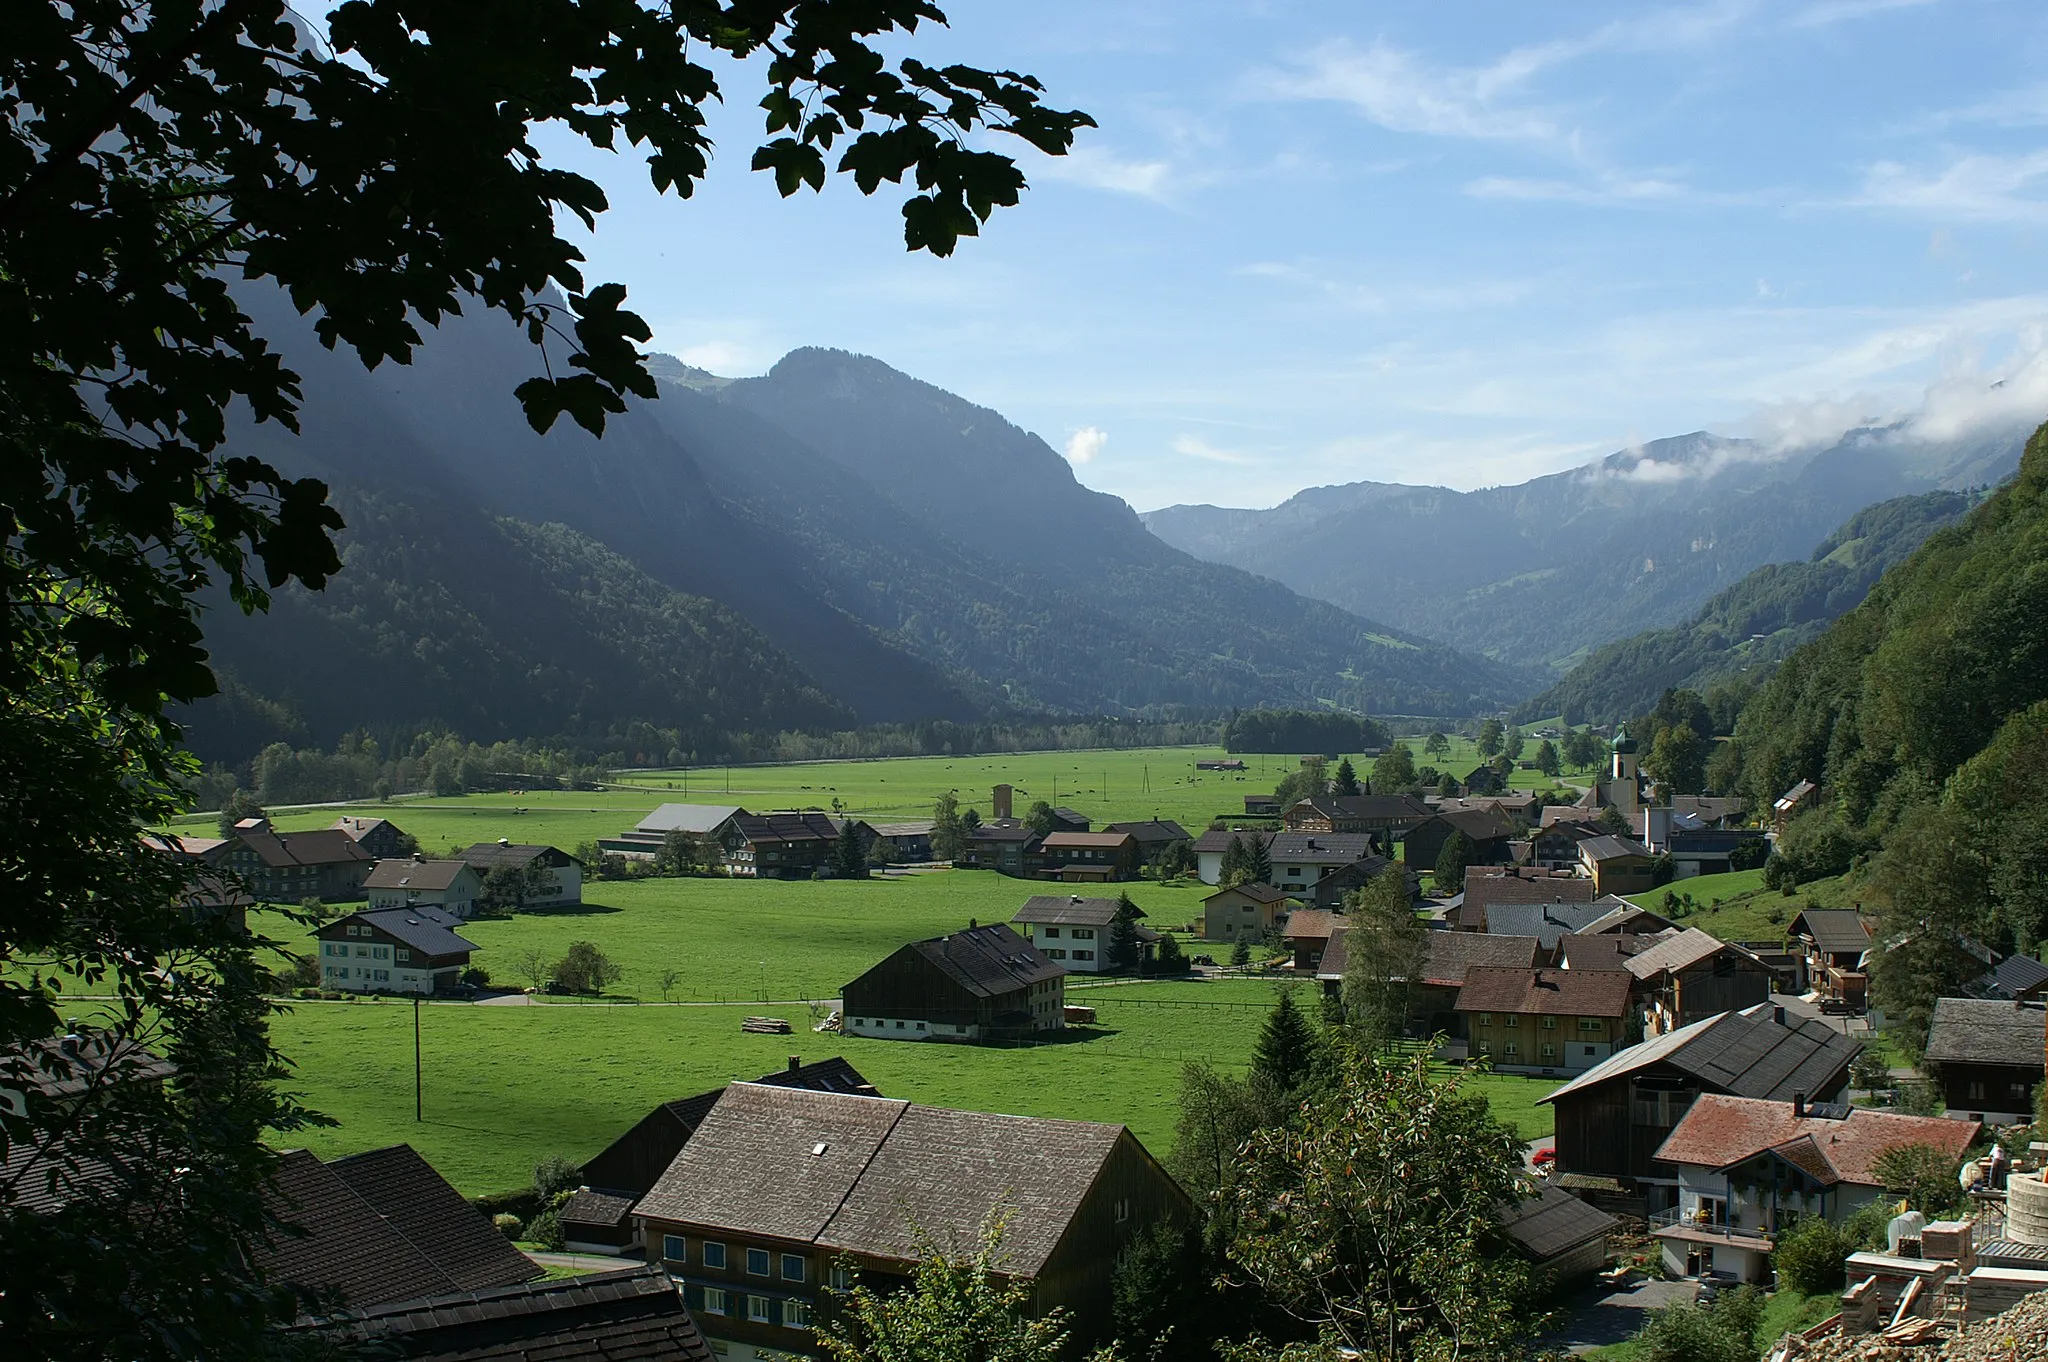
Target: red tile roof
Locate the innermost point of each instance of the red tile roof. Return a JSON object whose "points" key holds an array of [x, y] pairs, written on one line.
{"points": [[1841, 1146]]}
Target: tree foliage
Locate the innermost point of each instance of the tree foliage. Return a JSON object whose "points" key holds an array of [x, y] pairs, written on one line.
{"points": [[1300, 730], [949, 833], [1288, 1059], [958, 1309], [849, 852], [1394, 770], [1809, 1257], [1383, 949], [1346, 781], [584, 968], [1458, 853], [1490, 738]]}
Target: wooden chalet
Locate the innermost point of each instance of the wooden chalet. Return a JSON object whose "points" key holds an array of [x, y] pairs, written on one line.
{"points": [[1308, 936], [1153, 836], [1987, 1054], [1834, 944], [1487, 886], [1006, 848], [1446, 959], [1248, 912], [381, 837], [984, 983], [1487, 829], [778, 846], [783, 1193], [1385, 818], [1548, 1021], [1690, 976], [564, 872], [286, 867], [393, 950], [1618, 865], [1088, 857]]}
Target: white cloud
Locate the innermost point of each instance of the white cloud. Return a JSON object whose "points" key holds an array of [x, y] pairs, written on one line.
{"points": [[1084, 444], [1194, 447], [1604, 189], [1098, 168], [1403, 93], [1843, 11], [1972, 187]]}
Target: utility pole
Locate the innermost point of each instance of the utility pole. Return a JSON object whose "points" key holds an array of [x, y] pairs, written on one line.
{"points": [[418, 1094]]}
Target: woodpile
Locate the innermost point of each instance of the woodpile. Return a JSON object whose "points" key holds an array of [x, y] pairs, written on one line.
{"points": [[2018, 1335], [765, 1026]]}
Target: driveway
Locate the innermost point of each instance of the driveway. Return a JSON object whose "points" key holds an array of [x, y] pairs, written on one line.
{"points": [[1600, 1316]]}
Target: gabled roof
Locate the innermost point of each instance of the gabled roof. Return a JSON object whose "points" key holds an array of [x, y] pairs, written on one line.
{"points": [[632, 1315], [429, 877], [1545, 992], [865, 1174], [66, 1066], [1365, 806], [1834, 930], [1151, 830], [1319, 848], [184, 844], [1792, 797], [1547, 922], [785, 827], [321, 846], [343, 1244], [1218, 839], [1554, 1222], [1488, 885], [1447, 956], [987, 961], [2018, 976], [1313, 924], [1336, 953], [1480, 824], [418, 1202], [419, 925], [1748, 1054], [698, 818], [918, 829], [359, 828], [1061, 910], [1087, 841], [1841, 1144], [1071, 817], [1987, 1031], [1710, 808], [1682, 952], [1625, 918], [1608, 847], [1598, 950], [1251, 889], [484, 855], [1003, 832]]}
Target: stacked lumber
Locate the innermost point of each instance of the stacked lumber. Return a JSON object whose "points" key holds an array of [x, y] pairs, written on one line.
{"points": [[765, 1026]]}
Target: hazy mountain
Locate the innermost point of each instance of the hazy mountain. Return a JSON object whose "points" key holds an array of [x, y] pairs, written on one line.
{"points": [[1542, 572], [877, 548], [1750, 626]]}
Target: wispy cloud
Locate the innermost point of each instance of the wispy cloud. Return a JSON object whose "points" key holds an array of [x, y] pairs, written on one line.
{"points": [[2023, 107], [1604, 189], [1972, 187], [1407, 295], [1099, 168], [1194, 447], [1847, 11], [1402, 92], [1084, 444]]}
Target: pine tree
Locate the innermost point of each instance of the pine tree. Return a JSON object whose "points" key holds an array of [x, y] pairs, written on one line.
{"points": [[1123, 934], [1457, 853], [1289, 1054], [1258, 860], [1347, 779], [849, 853]]}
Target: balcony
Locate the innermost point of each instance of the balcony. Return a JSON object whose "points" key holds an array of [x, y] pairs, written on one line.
{"points": [[1677, 1223]]}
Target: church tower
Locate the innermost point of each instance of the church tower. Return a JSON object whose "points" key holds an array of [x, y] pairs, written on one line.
{"points": [[1623, 789]]}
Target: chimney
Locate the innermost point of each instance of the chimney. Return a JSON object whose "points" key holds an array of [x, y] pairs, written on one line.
{"points": [[504, 841], [972, 923], [795, 1062], [1778, 1015], [999, 802], [1798, 1104]]}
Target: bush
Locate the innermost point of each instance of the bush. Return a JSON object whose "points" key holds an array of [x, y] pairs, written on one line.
{"points": [[585, 969], [1241, 953], [1809, 1257], [1686, 1333], [1172, 960], [554, 1175], [508, 1225], [546, 1231], [1749, 854], [476, 976]]}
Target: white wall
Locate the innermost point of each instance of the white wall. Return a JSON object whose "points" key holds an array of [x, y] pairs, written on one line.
{"points": [[1060, 945]]}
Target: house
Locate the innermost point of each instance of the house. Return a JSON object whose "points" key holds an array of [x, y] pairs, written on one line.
{"points": [[1261, 806], [1488, 830], [1384, 817], [1987, 1054], [1748, 1167], [381, 1227], [1308, 936], [450, 886], [632, 1313], [985, 983], [1329, 889], [783, 1192], [1301, 859], [1563, 1239], [598, 1218], [1544, 1020], [777, 846], [1549, 923], [1446, 958], [1834, 946], [380, 837], [564, 871], [1249, 912], [1612, 1119], [1617, 865], [1482, 780], [1226, 764], [1517, 805], [1712, 811], [1555, 845], [1793, 802], [1213, 843], [2016, 979], [1006, 848], [643, 842], [1153, 835], [1690, 976], [1089, 856], [393, 950], [287, 867], [1075, 932], [906, 843], [1065, 819], [1596, 950], [1711, 851], [1486, 886], [1625, 919]]}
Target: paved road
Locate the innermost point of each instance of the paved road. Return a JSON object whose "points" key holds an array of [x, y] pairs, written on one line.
{"points": [[1601, 1316]]}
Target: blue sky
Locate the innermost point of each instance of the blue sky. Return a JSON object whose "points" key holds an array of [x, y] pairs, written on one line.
{"points": [[1460, 243]]}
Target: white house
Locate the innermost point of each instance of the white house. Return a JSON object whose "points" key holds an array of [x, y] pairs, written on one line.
{"points": [[1074, 932], [393, 950], [450, 886], [565, 870], [1748, 1168]]}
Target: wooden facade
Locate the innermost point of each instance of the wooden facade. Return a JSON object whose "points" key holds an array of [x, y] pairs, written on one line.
{"points": [[986, 983]]}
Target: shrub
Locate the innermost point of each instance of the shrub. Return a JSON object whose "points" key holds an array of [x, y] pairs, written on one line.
{"points": [[476, 976], [1809, 1257], [1241, 953], [1686, 1333], [546, 1230], [554, 1175], [507, 1225], [585, 969], [1172, 960]]}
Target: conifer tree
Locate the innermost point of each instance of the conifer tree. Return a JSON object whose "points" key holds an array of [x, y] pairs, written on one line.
{"points": [[1258, 860], [1123, 934], [1347, 779], [1289, 1054]]}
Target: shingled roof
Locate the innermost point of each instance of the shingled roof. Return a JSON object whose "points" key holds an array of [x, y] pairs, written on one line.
{"points": [[1986, 1031], [1833, 1144], [1671, 954], [1547, 922], [321, 846], [866, 1175], [1750, 1053], [418, 1202], [1446, 956], [414, 873], [483, 855], [334, 1241], [988, 961], [1063, 910], [1546, 992], [2017, 976], [67, 1066], [633, 1315], [1838, 931], [1553, 1222]]}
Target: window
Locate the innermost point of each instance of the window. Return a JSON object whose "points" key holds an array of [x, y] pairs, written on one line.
{"points": [[899, 1026], [1549, 1050], [1084, 933], [1510, 1050], [757, 1309], [1084, 955], [1049, 932], [796, 1315], [404, 954], [792, 1267], [362, 952], [380, 952], [757, 1262], [1591, 1024], [1486, 1019], [1293, 872], [380, 974], [714, 1254], [1511, 1019], [1055, 954], [1123, 1210], [841, 1277], [1589, 1052], [1977, 1090], [675, 1249], [920, 1026], [1550, 1023], [715, 1302]]}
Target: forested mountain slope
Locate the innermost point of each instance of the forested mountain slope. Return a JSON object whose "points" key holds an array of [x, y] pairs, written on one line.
{"points": [[1923, 714], [1544, 571], [1749, 627]]}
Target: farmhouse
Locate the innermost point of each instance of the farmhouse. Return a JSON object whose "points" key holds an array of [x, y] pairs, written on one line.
{"points": [[1747, 1168], [777, 846], [780, 1188], [1987, 1054], [450, 886], [1075, 932], [563, 871], [1612, 1119], [1690, 976], [1300, 859], [1617, 865], [393, 950], [1153, 835], [285, 867], [1006, 848], [1329, 889], [1486, 886], [1446, 958], [1834, 946], [1261, 806], [633, 1313], [986, 983], [1488, 830], [905, 843], [1249, 912], [1384, 817], [1544, 1020], [643, 842], [1089, 856], [1308, 936], [379, 836]]}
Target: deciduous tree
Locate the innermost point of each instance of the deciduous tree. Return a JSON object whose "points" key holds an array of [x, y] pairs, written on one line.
{"points": [[954, 1308], [1394, 771], [1490, 738], [1547, 759], [1382, 959], [949, 834]]}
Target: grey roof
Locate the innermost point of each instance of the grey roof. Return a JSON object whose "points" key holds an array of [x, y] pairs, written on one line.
{"points": [[419, 925], [1607, 846], [1003, 832], [1547, 922], [2010, 978], [1794, 795], [1151, 830], [632, 1315], [1319, 848], [1399, 806], [1446, 956], [1481, 824], [418, 1202], [1746, 1054], [688, 817], [1682, 951], [412, 873], [1834, 930], [493, 854], [1600, 950], [1987, 1031], [66, 1066], [595, 1208], [1251, 889], [1712, 808], [1218, 839], [1623, 916], [1062, 910], [987, 961], [866, 1174], [343, 1244], [923, 829], [1554, 1222]]}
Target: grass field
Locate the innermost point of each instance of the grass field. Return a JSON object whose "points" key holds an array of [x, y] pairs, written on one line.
{"points": [[1746, 910]]}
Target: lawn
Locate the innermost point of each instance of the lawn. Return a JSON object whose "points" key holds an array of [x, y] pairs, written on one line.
{"points": [[1746, 911]]}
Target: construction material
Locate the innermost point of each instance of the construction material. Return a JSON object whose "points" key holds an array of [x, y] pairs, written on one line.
{"points": [[765, 1026]]}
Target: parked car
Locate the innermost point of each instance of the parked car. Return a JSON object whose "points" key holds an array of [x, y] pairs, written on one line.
{"points": [[1543, 1158]]}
